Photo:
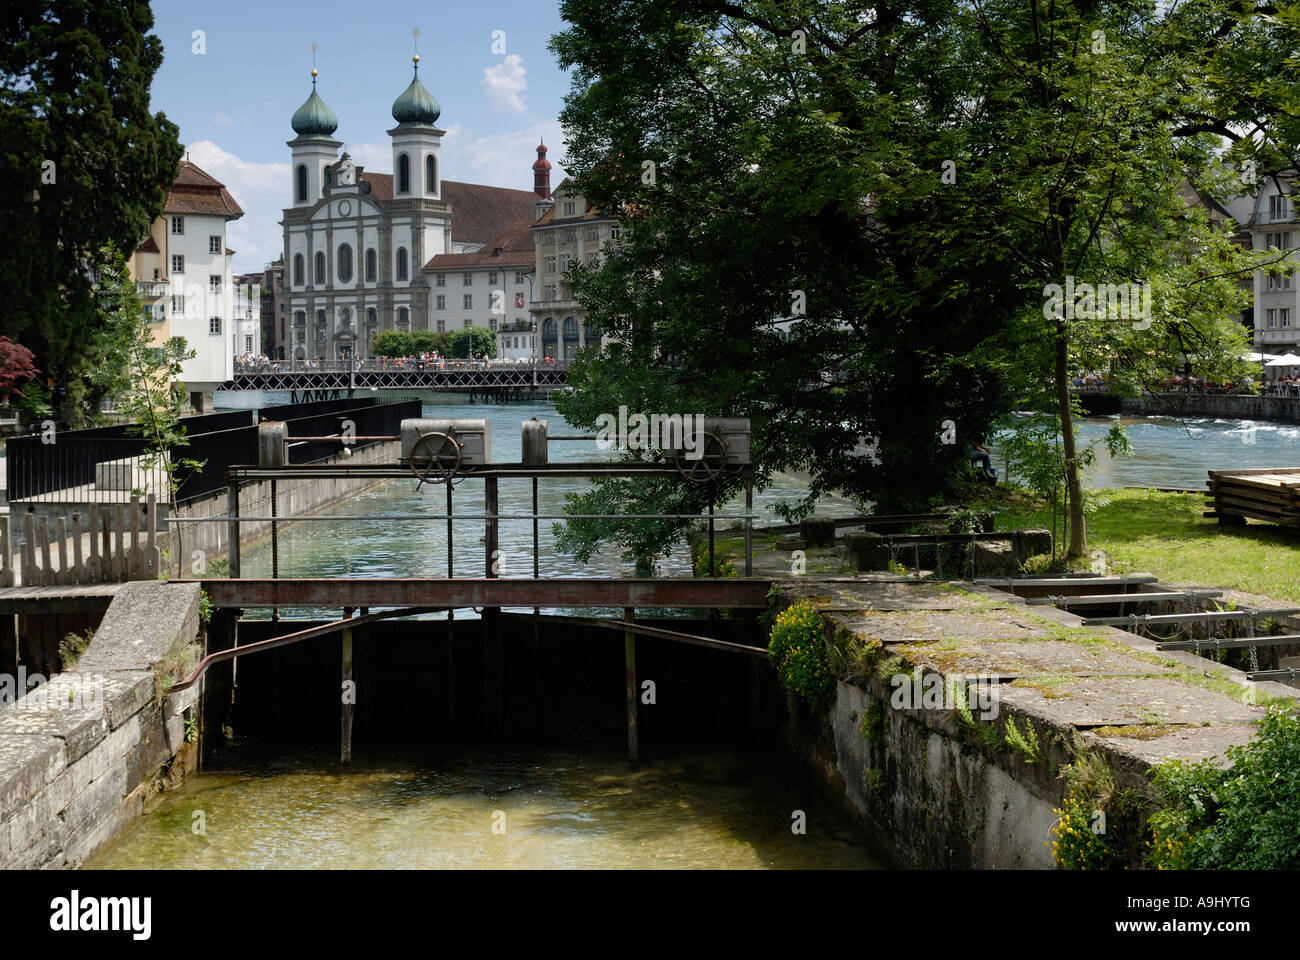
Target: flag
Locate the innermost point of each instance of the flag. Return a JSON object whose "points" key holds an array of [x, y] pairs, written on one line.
{"points": [[519, 300]]}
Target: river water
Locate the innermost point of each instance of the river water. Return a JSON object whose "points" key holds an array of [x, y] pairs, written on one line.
{"points": [[577, 807]]}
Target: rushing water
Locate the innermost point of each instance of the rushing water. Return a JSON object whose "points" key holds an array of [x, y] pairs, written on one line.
{"points": [[557, 809]]}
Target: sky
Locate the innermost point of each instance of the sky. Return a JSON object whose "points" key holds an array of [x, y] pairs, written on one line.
{"points": [[233, 88]]}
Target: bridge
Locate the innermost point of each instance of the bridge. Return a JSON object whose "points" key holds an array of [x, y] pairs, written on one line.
{"points": [[492, 380]]}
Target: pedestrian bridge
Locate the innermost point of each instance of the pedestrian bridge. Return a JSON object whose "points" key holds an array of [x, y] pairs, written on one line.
{"points": [[490, 380]]}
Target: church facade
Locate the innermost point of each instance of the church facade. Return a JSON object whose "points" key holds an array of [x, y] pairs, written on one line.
{"points": [[369, 252]]}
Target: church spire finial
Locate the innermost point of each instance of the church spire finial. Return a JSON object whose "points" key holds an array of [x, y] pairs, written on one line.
{"points": [[415, 48], [313, 64]]}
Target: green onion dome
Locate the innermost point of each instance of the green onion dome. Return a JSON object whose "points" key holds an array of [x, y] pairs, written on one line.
{"points": [[416, 104], [313, 118]]}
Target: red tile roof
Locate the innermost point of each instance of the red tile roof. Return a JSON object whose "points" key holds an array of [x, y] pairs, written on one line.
{"points": [[478, 212], [149, 246], [516, 253], [195, 192]]}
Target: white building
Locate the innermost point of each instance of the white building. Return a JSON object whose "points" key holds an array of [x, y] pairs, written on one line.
{"points": [[246, 314], [1268, 217], [361, 250], [183, 271]]}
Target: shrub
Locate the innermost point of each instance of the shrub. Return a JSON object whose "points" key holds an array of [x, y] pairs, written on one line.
{"points": [[722, 567], [1242, 818], [797, 647]]}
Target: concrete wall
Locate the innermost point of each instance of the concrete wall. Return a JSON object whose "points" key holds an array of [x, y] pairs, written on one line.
{"points": [[294, 498], [1284, 409], [82, 755]]}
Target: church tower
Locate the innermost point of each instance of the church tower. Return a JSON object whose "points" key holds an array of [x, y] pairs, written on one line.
{"points": [[417, 166], [314, 147], [542, 181]]}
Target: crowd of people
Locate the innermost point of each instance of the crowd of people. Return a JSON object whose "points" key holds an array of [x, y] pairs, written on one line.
{"points": [[260, 363]]}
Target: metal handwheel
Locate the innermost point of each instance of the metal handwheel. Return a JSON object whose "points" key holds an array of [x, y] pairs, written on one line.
{"points": [[435, 457], [710, 464]]}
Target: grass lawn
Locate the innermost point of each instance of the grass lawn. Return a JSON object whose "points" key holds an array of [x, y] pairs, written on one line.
{"points": [[1165, 534]]}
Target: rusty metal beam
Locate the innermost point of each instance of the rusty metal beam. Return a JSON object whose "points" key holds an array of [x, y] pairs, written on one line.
{"points": [[741, 593]]}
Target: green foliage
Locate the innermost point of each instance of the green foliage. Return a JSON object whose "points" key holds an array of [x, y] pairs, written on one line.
{"points": [[205, 608], [722, 566], [191, 729], [873, 723], [142, 377], [797, 647], [477, 340], [74, 93], [72, 646], [403, 343], [1026, 743], [1041, 563], [1241, 818], [1101, 825]]}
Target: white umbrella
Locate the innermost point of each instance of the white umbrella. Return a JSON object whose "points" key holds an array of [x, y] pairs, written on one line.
{"points": [[1257, 357], [1286, 360]]}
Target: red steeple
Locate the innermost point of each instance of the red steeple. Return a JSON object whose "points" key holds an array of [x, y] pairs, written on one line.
{"points": [[542, 174]]}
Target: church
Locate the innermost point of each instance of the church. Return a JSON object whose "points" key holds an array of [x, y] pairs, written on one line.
{"points": [[369, 252]]}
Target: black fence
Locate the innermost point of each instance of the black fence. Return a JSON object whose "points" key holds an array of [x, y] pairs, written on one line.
{"points": [[103, 466]]}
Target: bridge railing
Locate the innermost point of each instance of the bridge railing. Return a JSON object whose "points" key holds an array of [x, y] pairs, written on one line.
{"points": [[385, 365]]}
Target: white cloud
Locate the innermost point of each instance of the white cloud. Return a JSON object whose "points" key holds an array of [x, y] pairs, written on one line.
{"points": [[502, 159], [220, 120], [375, 157], [504, 82], [262, 190]]}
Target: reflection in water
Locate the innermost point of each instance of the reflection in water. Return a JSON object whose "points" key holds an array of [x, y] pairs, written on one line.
{"points": [[562, 809]]}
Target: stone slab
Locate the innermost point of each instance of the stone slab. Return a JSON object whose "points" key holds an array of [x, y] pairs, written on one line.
{"points": [[1183, 743], [147, 621], [27, 764], [1033, 658], [913, 626], [1124, 701], [892, 594]]}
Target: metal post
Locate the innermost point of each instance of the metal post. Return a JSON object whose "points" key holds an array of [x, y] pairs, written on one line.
{"points": [[491, 616], [451, 623], [348, 687], [712, 568], [275, 545], [749, 527], [232, 529], [629, 662], [535, 538]]}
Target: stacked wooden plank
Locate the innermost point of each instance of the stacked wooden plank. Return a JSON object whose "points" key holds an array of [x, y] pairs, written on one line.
{"points": [[1270, 494], [110, 543]]}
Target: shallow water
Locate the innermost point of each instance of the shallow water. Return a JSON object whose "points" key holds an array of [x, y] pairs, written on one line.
{"points": [[569, 808]]}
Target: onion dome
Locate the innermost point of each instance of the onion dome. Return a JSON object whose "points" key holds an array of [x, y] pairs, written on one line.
{"points": [[313, 118], [542, 163], [416, 105]]}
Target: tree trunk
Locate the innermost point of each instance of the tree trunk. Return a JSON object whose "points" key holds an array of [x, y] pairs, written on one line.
{"points": [[1078, 533]]}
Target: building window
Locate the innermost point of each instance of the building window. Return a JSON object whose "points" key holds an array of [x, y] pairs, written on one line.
{"points": [[248, 344], [1284, 317], [469, 324], [345, 263], [319, 278], [593, 233], [178, 263], [1279, 207], [613, 233], [430, 174], [403, 317], [492, 278], [1272, 318], [300, 318], [441, 281], [178, 303], [492, 324], [564, 263], [178, 226], [550, 291], [302, 183], [371, 268], [548, 238], [214, 244], [403, 173], [568, 208], [469, 301], [401, 263], [214, 283], [519, 276], [550, 264], [441, 302], [467, 280], [442, 326], [297, 269], [214, 326]]}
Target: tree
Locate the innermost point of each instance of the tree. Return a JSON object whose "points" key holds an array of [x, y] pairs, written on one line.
{"points": [[903, 185], [84, 163], [141, 375], [16, 368], [393, 343], [475, 340]]}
